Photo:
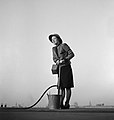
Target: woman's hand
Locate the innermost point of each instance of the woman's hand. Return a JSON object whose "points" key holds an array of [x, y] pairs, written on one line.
{"points": [[62, 61], [57, 62]]}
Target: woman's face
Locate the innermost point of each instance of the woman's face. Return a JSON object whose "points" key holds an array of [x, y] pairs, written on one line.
{"points": [[55, 41]]}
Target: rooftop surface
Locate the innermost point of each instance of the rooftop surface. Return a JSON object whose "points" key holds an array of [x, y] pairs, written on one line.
{"points": [[57, 114]]}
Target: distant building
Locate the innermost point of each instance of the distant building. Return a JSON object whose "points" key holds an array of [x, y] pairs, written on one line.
{"points": [[90, 103], [75, 105], [102, 104], [5, 105], [1, 105]]}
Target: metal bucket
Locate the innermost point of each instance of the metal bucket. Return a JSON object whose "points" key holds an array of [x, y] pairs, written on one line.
{"points": [[54, 101]]}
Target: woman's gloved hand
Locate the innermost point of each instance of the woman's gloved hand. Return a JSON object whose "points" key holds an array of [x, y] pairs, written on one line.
{"points": [[58, 62], [62, 61]]}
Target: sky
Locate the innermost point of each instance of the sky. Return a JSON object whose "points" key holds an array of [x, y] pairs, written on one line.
{"points": [[87, 26]]}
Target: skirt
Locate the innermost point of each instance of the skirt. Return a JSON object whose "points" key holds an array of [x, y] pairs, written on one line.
{"points": [[65, 77]]}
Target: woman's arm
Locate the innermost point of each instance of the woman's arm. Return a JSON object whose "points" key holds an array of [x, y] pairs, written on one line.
{"points": [[69, 51]]}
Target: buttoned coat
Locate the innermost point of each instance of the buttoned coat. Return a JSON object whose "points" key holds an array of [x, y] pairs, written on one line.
{"points": [[64, 52]]}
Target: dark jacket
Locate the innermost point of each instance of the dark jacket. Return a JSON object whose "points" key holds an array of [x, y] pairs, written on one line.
{"points": [[62, 52]]}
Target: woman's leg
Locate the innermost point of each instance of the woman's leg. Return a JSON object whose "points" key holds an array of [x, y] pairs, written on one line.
{"points": [[62, 97], [68, 96]]}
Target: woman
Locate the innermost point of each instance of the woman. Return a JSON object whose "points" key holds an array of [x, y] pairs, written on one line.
{"points": [[62, 54]]}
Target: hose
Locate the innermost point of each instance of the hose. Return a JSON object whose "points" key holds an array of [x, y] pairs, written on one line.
{"points": [[40, 97]]}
